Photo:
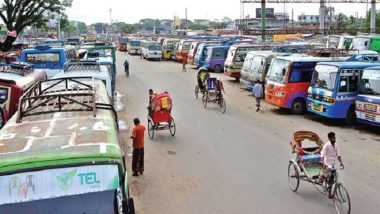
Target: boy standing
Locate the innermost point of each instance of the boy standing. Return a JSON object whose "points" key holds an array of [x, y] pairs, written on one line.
{"points": [[138, 148], [258, 93]]}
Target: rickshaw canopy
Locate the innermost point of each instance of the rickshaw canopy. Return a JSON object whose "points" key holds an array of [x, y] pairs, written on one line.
{"points": [[162, 101]]}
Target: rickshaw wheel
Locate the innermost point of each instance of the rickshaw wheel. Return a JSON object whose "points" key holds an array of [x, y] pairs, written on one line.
{"points": [[293, 177], [172, 127], [196, 91], [222, 105], [341, 199], [205, 99], [150, 129]]}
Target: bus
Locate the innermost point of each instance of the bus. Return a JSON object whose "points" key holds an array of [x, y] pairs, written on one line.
{"points": [[88, 68], [168, 48], [339, 41], [256, 66], [215, 57], [122, 43], [201, 54], [288, 79], [366, 43], [64, 154], [133, 46], [334, 88], [368, 99], [15, 79], [151, 50], [193, 50], [46, 57], [236, 56], [182, 49]]}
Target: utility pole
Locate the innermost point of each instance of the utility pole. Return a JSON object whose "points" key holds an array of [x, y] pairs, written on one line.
{"points": [[58, 26], [322, 14], [373, 16], [185, 25], [263, 20], [292, 18]]}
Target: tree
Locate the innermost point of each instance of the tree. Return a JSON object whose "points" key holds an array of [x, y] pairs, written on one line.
{"points": [[18, 14], [82, 27]]}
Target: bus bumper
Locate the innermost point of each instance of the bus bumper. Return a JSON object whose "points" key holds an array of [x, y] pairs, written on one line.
{"points": [[324, 109]]}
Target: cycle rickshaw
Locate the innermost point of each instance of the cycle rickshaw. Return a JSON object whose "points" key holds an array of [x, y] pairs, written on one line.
{"points": [[159, 115], [200, 87], [307, 166], [212, 95]]}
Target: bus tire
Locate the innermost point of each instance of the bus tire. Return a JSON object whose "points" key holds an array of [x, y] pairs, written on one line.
{"points": [[218, 69], [2, 119], [351, 115], [298, 106], [237, 79]]}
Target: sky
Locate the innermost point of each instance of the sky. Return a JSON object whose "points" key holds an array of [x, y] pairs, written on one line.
{"points": [[131, 11]]}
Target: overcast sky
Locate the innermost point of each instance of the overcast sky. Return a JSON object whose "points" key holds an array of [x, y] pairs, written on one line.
{"points": [[131, 11]]}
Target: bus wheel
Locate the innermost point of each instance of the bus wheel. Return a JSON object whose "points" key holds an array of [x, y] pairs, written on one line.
{"points": [[2, 119], [237, 79], [298, 106], [351, 116], [217, 69]]}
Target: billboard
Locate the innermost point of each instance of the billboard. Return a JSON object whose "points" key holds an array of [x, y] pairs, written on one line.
{"points": [[269, 13]]}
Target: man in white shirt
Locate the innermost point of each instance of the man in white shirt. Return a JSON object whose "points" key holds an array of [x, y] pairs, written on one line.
{"points": [[330, 153], [258, 93]]}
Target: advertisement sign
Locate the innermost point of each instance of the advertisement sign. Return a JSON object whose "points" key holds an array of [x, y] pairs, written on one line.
{"points": [[269, 13], [53, 183]]}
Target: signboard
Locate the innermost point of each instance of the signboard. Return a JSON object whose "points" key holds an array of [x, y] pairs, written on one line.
{"points": [[54, 183], [269, 13]]}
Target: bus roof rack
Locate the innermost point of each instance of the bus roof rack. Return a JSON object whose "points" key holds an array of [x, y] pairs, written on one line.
{"points": [[19, 68], [82, 65], [62, 95]]}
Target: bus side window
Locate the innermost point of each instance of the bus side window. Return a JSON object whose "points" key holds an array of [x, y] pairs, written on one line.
{"points": [[353, 82], [343, 87]]}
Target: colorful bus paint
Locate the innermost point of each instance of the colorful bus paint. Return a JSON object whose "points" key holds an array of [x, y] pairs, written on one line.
{"points": [[133, 46], [122, 43], [201, 54], [368, 99], [58, 153], [334, 89], [182, 49], [288, 79], [193, 51], [48, 58], [215, 58], [15, 79], [168, 48], [236, 56]]}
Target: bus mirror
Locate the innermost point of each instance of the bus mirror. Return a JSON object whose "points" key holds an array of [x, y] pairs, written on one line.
{"points": [[283, 71]]}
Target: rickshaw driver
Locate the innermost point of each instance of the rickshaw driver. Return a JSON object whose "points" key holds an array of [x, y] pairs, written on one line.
{"points": [[151, 96], [330, 153], [202, 72]]}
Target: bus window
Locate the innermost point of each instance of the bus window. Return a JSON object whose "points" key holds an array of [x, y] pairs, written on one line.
{"points": [[217, 54], [39, 58], [343, 86], [299, 74]]}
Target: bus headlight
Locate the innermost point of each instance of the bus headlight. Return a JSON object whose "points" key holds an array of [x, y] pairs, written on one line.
{"points": [[309, 95], [328, 100]]}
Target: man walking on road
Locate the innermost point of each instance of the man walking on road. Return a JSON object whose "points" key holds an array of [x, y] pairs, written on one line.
{"points": [[184, 62], [258, 93], [138, 148]]}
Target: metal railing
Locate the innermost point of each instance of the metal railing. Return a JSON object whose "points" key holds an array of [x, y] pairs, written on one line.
{"points": [[21, 69]]}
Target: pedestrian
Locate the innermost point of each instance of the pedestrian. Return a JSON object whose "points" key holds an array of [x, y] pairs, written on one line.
{"points": [[138, 148], [184, 62], [258, 94]]}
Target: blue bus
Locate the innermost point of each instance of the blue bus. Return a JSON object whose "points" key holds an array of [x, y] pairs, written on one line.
{"points": [[334, 88], [215, 57], [46, 57], [368, 100]]}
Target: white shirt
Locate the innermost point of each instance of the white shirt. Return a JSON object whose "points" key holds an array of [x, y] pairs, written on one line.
{"points": [[330, 153], [258, 90]]}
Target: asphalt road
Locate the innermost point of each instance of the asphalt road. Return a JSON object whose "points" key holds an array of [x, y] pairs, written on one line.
{"points": [[234, 162]]}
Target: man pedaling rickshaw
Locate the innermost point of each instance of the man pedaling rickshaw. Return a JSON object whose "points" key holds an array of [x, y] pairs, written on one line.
{"points": [[202, 76]]}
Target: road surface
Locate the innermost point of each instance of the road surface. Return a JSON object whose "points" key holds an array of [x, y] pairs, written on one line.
{"points": [[234, 162]]}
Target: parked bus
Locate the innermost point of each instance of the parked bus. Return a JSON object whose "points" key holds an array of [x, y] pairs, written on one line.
{"points": [[339, 41], [168, 48], [15, 79], [151, 50], [215, 57], [64, 154], [200, 56], [236, 56], [88, 68], [193, 50], [334, 88], [366, 43], [182, 49], [288, 79], [133, 46], [51, 59], [256, 66], [122, 43], [368, 99]]}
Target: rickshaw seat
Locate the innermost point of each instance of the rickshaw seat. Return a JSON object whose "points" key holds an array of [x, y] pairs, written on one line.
{"points": [[311, 158], [211, 83]]}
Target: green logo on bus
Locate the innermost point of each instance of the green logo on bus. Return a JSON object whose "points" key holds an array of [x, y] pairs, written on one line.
{"points": [[66, 180], [88, 178]]}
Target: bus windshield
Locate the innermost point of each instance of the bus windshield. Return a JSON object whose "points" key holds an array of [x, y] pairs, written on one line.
{"points": [[324, 76], [155, 47], [123, 41], [39, 58], [370, 83], [278, 70], [135, 43], [230, 55], [186, 46]]}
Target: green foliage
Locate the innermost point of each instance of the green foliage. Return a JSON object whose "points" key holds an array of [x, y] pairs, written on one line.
{"points": [[198, 27], [367, 21], [125, 28]]}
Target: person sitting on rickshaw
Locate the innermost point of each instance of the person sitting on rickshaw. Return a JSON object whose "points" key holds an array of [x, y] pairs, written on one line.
{"points": [[151, 96], [202, 72]]}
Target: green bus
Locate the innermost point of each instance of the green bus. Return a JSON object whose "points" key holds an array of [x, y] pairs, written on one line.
{"points": [[62, 153]]}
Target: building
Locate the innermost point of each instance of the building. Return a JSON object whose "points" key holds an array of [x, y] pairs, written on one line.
{"points": [[278, 20], [100, 28], [204, 22], [311, 21]]}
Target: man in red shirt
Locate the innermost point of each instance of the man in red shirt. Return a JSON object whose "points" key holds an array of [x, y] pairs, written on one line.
{"points": [[184, 62], [138, 148]]}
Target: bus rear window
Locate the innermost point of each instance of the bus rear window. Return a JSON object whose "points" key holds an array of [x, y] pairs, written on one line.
{"points": [[38, 58], [135, 43]]}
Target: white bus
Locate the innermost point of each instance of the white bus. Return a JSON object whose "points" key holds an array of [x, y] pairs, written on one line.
{"points": [[151, 50]]}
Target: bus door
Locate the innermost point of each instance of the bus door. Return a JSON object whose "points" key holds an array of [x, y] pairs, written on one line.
{"points": [[347, 88]]}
